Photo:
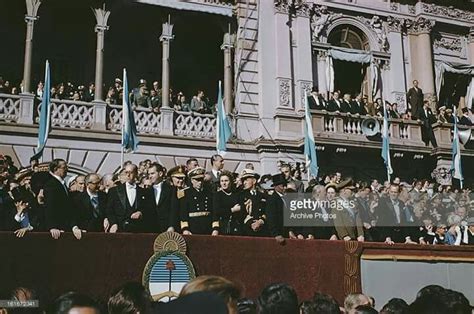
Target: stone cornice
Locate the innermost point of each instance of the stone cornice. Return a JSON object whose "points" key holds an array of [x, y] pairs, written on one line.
{"points": [[447, 12], [420, 25], [294, 7]]}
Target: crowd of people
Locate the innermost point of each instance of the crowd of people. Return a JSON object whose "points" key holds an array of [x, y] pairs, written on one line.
{"points": [[141, 96], [218, 295], [187, 199]]}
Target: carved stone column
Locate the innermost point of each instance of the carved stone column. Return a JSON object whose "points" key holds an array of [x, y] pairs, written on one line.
{"points": [[321, 66], [101, 16], [471, 45], [397, 61], [165, 38], [227, 47], [421, 52], [32, 7]]}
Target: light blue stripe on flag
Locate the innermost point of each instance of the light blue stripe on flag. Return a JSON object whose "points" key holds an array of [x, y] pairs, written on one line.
{"points": [[223, 132], [45, 114], [309, 144], [456, 154], [129, 129], [386, 143]]}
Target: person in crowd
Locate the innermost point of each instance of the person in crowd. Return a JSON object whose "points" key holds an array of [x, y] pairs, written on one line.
{"points": [[368, 106], [427, 117], [441, 117], [335, 104], [73, 302], [278, 298], [393, 220], [227, 206], [465, 119], [128, 204], [359, 106], [198, 103], [354, 300], [182, 103], [347, 220], [131, 298], [60, 211], [217, 165], [254, 203], [223, 287], [155, 101], [347, 106], [468, 232], [162, 217], [315, 100], [286, 171], [111, 98], [322, 303], [453, 235], [275, 209], [91, 206], [90, 93], [450, 117], [394, 306], [415, 101], [140, 97], [394, 114], [378, 108], [195, 207]]}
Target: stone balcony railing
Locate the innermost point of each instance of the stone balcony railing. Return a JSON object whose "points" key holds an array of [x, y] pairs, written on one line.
{"points": [[25, 109]]}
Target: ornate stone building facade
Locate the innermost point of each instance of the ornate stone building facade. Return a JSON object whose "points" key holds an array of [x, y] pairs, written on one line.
{"points": [[279, 51]]}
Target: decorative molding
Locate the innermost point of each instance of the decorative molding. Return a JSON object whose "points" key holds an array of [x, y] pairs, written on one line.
{"points": [[284, 92], [293, 7], [394, 6], [400, 99], [320, 19], [322, 55], [453, 44], [471, 35], [448, 12], [395, 24], [376, 25], [420, 25], [411, 9], [101, 17], [305, 86]]}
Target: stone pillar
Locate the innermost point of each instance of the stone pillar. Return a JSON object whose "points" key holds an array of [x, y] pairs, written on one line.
{"points": [[227, 47], [397, 61], [101, 16], [321, 66], [26, 108], [422, 56], [302, 56], [165, 38], [471, 45], [32, 7]]}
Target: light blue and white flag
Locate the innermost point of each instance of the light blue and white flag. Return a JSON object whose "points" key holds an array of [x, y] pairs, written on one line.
{"points": [[456, 164], [223, 130], [45, 114], [386, 143], [129, 129], [309, 145]]}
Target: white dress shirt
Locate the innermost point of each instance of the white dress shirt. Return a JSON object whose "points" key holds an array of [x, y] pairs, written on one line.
{"points": [[157, 189], [131, 193]]}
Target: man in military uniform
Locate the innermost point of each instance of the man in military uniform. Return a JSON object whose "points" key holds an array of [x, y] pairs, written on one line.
{"points": [[195, 207], [177, 176], [254, 203]]}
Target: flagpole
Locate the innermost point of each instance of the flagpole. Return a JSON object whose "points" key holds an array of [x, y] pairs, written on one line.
{"points": [[122, 152]]}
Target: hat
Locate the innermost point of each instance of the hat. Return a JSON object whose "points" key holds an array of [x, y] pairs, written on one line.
{"points": [[470, 221], [249, 173], [331, 185], [449, 110], [346, 184], [178, 171], [117, 80], [464, 110], [442, 108], [196, 173], [278, 179]]}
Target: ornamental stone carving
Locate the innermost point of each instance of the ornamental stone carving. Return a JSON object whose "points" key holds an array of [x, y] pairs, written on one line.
{"points": [[377, 26], [442, 175], [394, 6], [448, 12], [395, 24], [284, 91], [411, 9], [453, 44], [293, 7], [320, 19], [471, 35], [305, 89], [420, 25]]}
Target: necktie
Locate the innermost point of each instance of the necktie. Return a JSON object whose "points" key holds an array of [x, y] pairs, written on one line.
{"points": [[95, 204]]}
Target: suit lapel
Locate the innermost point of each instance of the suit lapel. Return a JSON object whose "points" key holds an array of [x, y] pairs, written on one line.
{"points": [[122, 194]]}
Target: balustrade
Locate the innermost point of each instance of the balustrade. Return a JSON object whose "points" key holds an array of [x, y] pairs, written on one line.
{"points": [[9, 108], [147, 121], [70, 114], [195, 124]]}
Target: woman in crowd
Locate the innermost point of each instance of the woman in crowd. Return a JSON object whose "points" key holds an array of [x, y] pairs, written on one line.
{"points": [[227, 206]]}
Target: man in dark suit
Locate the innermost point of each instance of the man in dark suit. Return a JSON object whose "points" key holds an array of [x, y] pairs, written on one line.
{"points": [[91, 206], [465, 119], [394, 221], [335, 104], [315, 100], [162, 218], [217, 164], [428, 118], [128, 205], [275, 208], [346, 105], [60, 212], [254, 202], [359, 106], [415, 100]]}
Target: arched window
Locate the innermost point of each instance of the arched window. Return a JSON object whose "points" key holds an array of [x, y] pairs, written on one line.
{"points": [[349, 36]]}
